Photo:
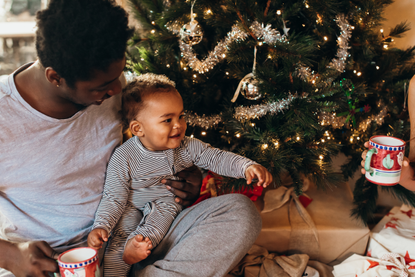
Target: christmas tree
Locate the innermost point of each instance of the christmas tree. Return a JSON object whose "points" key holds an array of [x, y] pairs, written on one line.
{"points": [[288, 84]]}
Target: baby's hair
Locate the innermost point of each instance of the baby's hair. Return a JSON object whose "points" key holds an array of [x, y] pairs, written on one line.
{"points": [[142, 86]]}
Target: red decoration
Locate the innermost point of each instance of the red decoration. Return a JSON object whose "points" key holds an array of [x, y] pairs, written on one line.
{"points": [[408, 259], [372, 264], [305, 200], [366, 108], [408, 213], [390, 267], [390, 224], [369, 253], [394, 219]]}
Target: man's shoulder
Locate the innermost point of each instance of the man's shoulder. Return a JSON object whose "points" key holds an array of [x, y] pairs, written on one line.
{"points": [[3, 85]]}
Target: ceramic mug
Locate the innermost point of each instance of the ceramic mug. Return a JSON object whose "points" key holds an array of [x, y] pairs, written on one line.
{"points": [[79, 262], [384, 160]]}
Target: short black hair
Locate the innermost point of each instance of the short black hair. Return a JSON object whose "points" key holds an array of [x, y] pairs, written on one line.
{"points": [[133, 95], [76, 37]]}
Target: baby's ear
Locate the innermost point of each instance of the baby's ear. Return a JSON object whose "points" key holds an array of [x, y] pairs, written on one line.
{"points": [[136, 128]]}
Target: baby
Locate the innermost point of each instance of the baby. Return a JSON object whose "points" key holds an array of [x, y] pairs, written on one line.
{"points": [[136, 209]]}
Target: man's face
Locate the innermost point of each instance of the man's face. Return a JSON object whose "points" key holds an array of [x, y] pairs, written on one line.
{"points": [[101, 86], [162, 121]]}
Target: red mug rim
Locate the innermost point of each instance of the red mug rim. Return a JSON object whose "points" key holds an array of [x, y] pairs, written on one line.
{"points": [[403, 142], [78, 262]]}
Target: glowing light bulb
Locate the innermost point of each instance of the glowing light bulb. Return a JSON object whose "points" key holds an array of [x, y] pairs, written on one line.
{"points": [[203, 133], [279, 12]]}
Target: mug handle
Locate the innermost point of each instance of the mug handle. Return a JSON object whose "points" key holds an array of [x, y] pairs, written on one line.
{"points": [[369, 158]]}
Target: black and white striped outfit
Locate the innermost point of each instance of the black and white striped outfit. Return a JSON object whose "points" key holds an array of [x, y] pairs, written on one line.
{"points": [[135, 202]]}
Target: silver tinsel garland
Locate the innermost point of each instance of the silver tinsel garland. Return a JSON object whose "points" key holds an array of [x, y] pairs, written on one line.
{"points": [[338, 63], [267, 34]]}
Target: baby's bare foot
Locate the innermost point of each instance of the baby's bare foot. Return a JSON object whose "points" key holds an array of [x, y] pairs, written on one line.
{"points": [[137, 249]]}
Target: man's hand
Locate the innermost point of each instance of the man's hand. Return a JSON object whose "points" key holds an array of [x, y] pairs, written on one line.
{"points": [[34, 259], [187, 191], [97, 237]]}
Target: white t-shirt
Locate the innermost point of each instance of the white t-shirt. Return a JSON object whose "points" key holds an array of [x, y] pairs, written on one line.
{"points": [[52, 171]]}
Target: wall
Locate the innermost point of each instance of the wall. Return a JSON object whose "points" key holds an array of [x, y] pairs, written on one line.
{"points": [[398, 12]]}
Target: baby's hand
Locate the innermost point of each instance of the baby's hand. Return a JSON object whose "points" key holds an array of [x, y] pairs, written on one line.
{"points": [[260, 172], [97, 237]]}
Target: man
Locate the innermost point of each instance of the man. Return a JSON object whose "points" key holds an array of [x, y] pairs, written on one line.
{"points": [[59, 122]]}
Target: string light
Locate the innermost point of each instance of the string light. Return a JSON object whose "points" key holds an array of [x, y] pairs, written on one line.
{"points": [[321, 157], [203, 133], [279, 12], [238, 135], [359, 73], [264, 146], [325, 38], [153, 31], [209, 12]]}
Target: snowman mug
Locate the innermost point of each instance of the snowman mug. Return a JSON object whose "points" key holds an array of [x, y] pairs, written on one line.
{"points": [[79, 262], [384, 160]]}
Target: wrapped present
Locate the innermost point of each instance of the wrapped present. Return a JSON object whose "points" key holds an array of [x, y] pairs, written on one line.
{"points": [[211, 187], [324, 230], [391, 249]]}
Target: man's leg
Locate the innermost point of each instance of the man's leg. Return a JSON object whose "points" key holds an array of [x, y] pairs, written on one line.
{"points": [[208, 239]]}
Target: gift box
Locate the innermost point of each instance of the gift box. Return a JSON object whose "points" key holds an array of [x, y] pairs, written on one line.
{"points": [[324, 230]]}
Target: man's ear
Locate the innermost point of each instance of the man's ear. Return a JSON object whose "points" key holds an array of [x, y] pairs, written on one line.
{"points": [[136, 128], [53, 77]]}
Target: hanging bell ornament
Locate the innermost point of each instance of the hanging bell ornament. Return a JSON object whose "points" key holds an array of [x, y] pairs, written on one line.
{"points": [[191, 33]]}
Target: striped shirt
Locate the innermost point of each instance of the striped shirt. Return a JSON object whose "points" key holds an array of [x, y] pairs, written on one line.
{"points": [[134, 174]]}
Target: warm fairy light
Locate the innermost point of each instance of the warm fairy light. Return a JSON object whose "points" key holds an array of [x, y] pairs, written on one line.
{"points": [[264, 146], [153, 31], [385, 46], [358, 138], [322, 140], [306, 5], [359, 73], [191, 136], [209, 12], [227, 132], [184, 68], [224, 55], [194, 76], [142, 59], [377, 67], [227, 73], [352, 27], [238, 135], [321, 157], [276, 144], [381, 30], [354, 71], [351, 139], [328, 137], [298, 138], [203, 133], [279, 12], [252, 124], [303, 25], [260, 43], [167, 65], [325, 38], [153, 22]]}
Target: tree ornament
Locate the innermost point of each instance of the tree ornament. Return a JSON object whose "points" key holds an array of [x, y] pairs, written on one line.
{"points": [[248, 86], [191, 33]]}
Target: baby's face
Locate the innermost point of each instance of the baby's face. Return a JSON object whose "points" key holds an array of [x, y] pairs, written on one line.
{"points": [[162, 121]]}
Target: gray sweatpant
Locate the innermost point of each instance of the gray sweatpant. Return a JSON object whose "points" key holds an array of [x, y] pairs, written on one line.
{"points": [[207, 239]]}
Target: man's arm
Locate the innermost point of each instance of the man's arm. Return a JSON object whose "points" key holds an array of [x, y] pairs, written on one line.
{"points": [[187, 191], [28, 259]]}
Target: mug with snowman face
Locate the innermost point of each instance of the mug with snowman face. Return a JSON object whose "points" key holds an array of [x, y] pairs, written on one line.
{"points": [[384, 159], [79, 262]]}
